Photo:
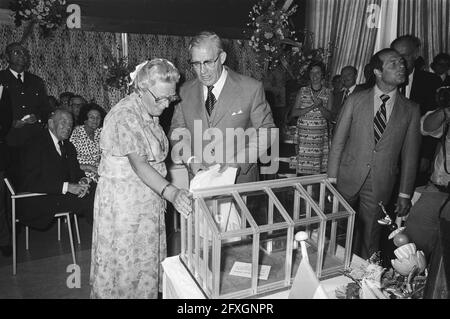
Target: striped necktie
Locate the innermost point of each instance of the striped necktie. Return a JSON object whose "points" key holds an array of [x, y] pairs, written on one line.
{"points": [[210, 100], [380, 119]]}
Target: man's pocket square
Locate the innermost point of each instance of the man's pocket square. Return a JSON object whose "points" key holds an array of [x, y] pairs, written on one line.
{"points": [[236, 113]]}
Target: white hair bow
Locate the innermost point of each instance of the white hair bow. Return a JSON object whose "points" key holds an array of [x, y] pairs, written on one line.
{"points": [[135, 72]]}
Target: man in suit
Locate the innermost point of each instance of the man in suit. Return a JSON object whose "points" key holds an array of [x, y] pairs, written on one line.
{"points": [[441, 66], [216, 101], [420, 86], [50, 166], [348, 76], [5, 124], [29, 102], [376, 129]]}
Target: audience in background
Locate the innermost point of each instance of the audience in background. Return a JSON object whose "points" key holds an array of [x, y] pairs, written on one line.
{"points": [[420, 87], [313, 107], [441, 66], [64, 99], [86, 139], [348, 76], [76, 102], [50, 166], [29, 102]]}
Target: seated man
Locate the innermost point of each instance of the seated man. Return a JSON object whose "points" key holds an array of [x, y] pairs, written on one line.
{"points": [[422, 225], [50, 166]]}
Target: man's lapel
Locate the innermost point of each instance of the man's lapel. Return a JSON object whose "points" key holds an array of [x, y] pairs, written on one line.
{"points": [[199, 105], [227, 99], [368, 115]]}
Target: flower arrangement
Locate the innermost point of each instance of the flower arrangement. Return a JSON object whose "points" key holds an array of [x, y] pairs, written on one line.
{"points": [[117, 71], [277, 43], [406, 280], [48, 14], [271, 29]]}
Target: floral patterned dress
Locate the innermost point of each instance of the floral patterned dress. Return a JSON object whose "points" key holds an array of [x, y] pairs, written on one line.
{"points": [[312, 133], [129, 239], [88, 151]]}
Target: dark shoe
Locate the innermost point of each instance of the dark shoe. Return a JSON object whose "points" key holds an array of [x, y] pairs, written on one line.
{"points": [[6, 250]]}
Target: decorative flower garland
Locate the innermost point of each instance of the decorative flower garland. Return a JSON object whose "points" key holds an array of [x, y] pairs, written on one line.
{"points": [[276, 42], [48, 14], [118, 71]]}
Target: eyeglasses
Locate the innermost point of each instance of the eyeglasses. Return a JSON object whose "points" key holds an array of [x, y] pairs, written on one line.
{"points": [[208, 63], [162, 99], [18, 52]]}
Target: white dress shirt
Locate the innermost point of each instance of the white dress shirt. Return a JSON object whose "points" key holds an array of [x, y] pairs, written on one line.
{"points": [[58, 149], [409, 86], [218, 86], [389, 103], [22, 75]]}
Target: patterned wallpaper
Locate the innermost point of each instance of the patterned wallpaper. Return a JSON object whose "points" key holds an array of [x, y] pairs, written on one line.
{"points": [[72, 60]]}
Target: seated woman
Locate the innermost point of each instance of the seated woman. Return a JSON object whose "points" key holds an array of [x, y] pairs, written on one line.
{"points": [[86, 138]]}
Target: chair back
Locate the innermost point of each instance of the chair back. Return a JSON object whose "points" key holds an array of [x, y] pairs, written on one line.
{"points": [[9, 185]]}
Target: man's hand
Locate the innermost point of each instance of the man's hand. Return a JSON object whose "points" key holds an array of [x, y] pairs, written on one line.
{"points": [[31, 119], [18, 124], [195, 167], [77, 189], [403, 206]]}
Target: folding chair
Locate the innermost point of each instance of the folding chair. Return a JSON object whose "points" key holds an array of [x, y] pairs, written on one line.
{"points": [[16, 196]]}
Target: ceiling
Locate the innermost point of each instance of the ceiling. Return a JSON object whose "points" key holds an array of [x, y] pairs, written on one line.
{"points": [[177, 17]]}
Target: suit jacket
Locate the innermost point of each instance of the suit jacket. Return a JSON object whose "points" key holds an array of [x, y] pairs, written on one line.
{"points": [[44, 170], [5, 125], [423, 92], [241, 104], [338, 97], [29, 98], [354, 153]]}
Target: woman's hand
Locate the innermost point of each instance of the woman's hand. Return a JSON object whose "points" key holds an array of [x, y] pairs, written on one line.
{"points": [[180, 198]]}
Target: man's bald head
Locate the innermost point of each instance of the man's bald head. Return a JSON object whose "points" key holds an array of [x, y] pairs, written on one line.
{"points": [[60, 124]]}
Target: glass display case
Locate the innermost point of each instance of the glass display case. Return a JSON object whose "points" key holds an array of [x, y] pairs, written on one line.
{"points": [[239, 240]]}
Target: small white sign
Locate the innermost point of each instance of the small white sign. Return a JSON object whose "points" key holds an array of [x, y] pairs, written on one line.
{"points": [[245, 270]]}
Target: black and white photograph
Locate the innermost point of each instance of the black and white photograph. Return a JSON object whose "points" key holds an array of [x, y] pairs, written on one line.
{"points": [[243, 151]]}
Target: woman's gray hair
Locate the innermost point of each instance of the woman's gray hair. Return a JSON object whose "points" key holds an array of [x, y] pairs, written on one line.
{"points": [[156, 70], [205, 36]]}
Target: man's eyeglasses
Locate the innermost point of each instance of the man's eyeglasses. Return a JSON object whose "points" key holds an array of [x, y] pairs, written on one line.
{"points": [[208, 63], [162, 99]]}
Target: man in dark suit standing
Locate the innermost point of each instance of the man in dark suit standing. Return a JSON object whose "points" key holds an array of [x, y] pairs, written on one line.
{"points": [[29, 102], [5, 124], [348, 78], [376, 129], [49, 165], [419, 86]]}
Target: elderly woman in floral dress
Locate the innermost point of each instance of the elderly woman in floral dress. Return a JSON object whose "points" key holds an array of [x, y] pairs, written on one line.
{"points": [[129, 239]]}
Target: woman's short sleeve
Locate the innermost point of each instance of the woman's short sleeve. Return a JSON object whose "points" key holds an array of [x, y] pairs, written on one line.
{"points": [[128, 135]]}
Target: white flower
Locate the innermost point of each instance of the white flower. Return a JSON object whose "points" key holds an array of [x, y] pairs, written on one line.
{"points": [[27, 12], [267, 47], [268, 35]]}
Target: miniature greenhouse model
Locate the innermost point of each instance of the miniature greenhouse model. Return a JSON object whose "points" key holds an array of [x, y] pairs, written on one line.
{"points": [[261, 256]]}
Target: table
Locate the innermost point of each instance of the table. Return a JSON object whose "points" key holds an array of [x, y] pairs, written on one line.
{"points": [[178, 283]]}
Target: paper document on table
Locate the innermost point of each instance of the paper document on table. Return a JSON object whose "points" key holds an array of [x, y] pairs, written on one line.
{"points": [[227, 216], [245, 270]]}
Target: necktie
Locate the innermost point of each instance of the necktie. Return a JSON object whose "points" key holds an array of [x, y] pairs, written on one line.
{"points": [[380, 119], [210, 100], [19, 79], [62, 149], [345, 96]]}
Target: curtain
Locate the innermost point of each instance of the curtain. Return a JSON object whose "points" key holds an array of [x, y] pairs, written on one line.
{"points": [[430, 21], [69, 60], [387, 30], [343, 24], [240, 57]]}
